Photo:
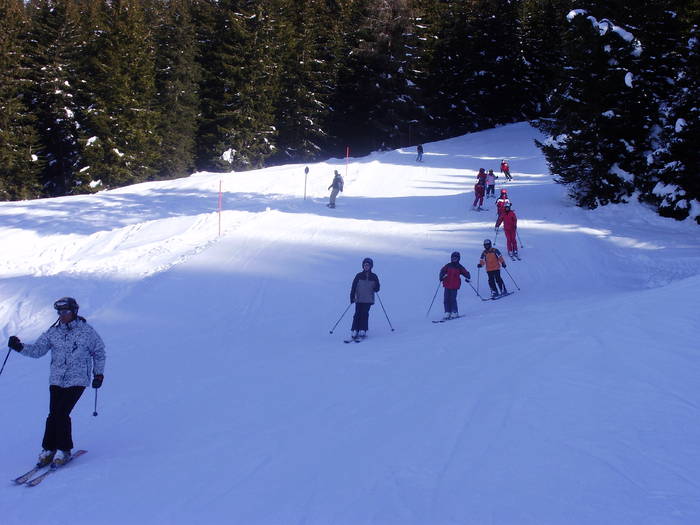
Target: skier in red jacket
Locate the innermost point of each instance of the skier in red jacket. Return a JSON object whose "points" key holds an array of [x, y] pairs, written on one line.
{"points": [[501, 202], [505, 169], [479, 190], [510, 226], [450, 278]]}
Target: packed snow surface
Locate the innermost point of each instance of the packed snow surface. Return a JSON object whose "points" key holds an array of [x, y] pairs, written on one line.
{"points": [[226, 399]]}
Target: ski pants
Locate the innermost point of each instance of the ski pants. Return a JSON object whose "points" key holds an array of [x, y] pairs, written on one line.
{"points": [[495, 278], [360, 320], [478, 199], [507, 174], [450, 300], [491, 190], [511, 240], [334, 194], [58, 432]]}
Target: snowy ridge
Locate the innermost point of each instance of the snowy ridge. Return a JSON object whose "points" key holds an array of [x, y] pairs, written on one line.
{"points": [[574, 400]]}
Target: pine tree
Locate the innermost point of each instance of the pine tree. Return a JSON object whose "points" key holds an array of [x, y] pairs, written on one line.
{"points": [[675, 162], [305, 44], [54, 45], [20, 166], [177, 75], [594, 125], [120, 120], [238, 85], [370, 106]]}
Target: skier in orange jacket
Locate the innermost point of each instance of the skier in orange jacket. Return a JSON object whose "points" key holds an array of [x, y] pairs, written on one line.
{"points": [[493, 260]]}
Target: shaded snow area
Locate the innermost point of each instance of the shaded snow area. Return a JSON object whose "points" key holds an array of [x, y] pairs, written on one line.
{"points": [[227, 401]]}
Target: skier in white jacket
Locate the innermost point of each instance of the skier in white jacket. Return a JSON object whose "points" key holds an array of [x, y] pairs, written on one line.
{"points": [[77, 361]]}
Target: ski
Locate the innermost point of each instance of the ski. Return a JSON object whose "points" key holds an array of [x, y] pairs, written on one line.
{"points": [[53, 468], [496, 298], [28, 475], [445, 320]]}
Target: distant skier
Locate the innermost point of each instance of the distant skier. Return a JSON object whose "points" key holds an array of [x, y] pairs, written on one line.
{"points": [[77, 352], [450, 278], [505, 169], [337, 186], [501, 202], [364, 286], [419, 149], [478, 196], [510, 226], [491, 184], [493, 260]]}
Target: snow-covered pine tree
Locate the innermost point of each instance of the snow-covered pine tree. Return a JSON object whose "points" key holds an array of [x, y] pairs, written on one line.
{"points": [[54, 49], [595, 124], [120, 122], [20, 166], [177, 75]]}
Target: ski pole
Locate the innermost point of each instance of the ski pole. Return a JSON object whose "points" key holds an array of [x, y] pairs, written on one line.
{"points": [[341, 318], [475, 290], [431, 302], [5, 361], [511, 277], [478, 278], [521, 242], [94, 412], [387, 317], [496, 237]]}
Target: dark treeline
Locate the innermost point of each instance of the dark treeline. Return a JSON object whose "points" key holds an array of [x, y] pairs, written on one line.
{"points": [[98, 94]]}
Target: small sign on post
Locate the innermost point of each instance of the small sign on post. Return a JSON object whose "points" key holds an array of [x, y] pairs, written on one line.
{"points": [[306, 174]]}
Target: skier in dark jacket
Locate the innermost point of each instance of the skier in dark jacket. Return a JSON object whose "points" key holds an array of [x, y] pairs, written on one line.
{"points": [[337, 186], [77, 360], [419, 150], [450, 277], [364, 286]]}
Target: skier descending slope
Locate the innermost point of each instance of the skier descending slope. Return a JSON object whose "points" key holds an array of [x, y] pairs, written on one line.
{"points": [[77, 352], [364, 286], [510, 226], [493, 260], [450, 277]]}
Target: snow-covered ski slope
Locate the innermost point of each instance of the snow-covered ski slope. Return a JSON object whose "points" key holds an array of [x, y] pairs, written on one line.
{"points": [[226, 400]]}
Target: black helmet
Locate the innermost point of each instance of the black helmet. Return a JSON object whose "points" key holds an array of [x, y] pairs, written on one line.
{"points": [[67, 303], [455, 255], [368, 261], [487, 243]]}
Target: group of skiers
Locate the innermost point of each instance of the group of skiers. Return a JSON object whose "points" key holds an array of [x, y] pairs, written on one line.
{"points": [[485, 186]]}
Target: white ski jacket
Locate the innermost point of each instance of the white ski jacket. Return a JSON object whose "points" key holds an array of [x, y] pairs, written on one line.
{"points": [[76, 352]]}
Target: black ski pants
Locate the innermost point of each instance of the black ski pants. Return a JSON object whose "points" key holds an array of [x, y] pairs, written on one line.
{"points": [[360, 320], [495, 278], [450, 301], [58, 433]]}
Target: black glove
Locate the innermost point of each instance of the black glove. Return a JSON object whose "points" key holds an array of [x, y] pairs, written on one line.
{"points": [[15, 343], [97, 380], [467, 280], [504, 265], [479, 265]]}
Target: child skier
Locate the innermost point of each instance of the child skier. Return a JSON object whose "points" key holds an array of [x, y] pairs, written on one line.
{"points": [[419, 150], [478, 195], [493, 260], [505, 169], [491, 184], [450, 278], [501, 202], [510, 226], [364, 286], [337, 186]]}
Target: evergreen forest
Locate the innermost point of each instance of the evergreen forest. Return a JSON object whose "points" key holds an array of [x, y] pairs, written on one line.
{"points": [[98, 94]]}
